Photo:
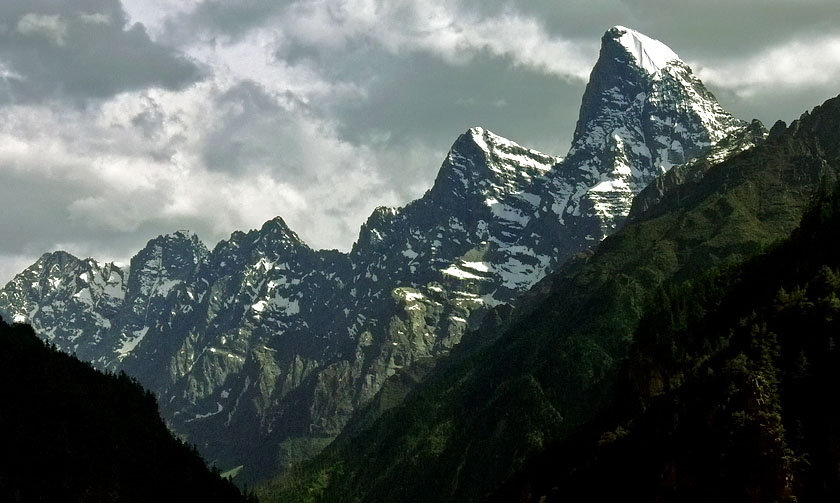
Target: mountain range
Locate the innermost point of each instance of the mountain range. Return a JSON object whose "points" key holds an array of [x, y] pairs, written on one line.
{"points": [[262, 350]]}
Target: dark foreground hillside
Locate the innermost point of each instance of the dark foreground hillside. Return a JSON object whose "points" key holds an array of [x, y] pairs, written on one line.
{"points": [[729, 392], [70, 433]]}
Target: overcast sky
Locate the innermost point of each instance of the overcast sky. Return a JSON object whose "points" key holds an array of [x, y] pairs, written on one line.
{"points": [[120, 121]]}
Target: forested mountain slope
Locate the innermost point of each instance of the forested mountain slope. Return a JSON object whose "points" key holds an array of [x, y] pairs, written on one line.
{"points": [[71, 433], [473, 425], [727, 394]]}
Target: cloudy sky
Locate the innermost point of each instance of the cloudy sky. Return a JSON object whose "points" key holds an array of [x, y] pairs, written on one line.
{"points": [[122, 120]]}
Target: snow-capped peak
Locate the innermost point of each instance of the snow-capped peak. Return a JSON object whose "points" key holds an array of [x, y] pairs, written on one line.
{"points": [[485, 165], [486, 140], [500, 149], [651, 55]]}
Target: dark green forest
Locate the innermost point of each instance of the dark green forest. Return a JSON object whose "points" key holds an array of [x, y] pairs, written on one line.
{"points": [[71, 433], [575, 360], [728, 393]]}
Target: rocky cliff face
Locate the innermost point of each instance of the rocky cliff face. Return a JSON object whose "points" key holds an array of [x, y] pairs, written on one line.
{"points": [[261, 349], [643, 112]]}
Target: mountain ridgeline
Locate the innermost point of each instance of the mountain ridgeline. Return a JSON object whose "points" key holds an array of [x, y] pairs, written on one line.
{"points": [[262, 350]]}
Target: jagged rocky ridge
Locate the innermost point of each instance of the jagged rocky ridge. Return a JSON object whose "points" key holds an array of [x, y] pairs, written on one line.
{"points": [[261, 349]]}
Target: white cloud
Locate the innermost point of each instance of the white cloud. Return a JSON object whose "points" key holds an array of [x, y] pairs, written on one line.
{"points": [[441, 28], [51, 27], [123, 175], [95, 18], [7, 73], [252, 58], [82, 50], [154, 13], [793, 65], [446, 29]]}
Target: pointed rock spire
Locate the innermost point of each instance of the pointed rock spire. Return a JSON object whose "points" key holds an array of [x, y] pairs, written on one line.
{"points": [[651, 55], [643, 112], [483, 164], [278, 232]]}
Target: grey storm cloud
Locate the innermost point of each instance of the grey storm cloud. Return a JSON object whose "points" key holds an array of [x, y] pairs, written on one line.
{"points": [[252, 134], [81, 49], [228, 18], [123, 120], [717, 33], [418, 97]]}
